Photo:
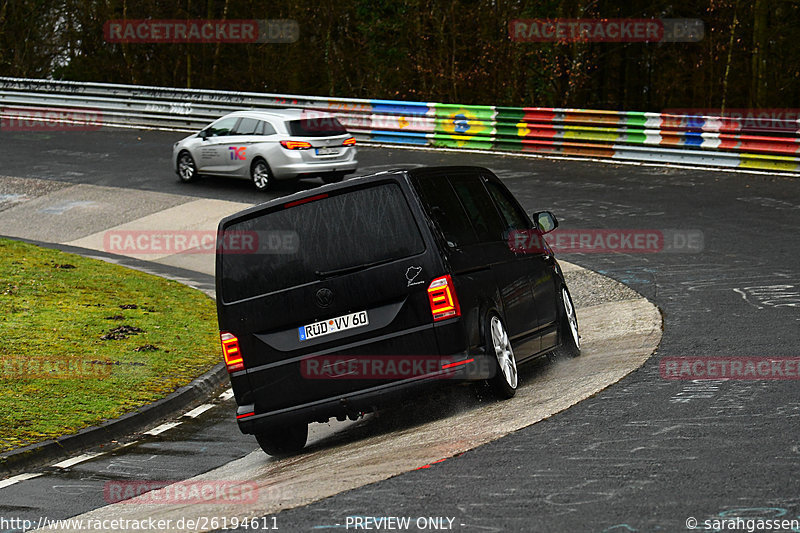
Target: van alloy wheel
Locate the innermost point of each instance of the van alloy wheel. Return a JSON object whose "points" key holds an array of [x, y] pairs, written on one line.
{"points": [[505, 380]]}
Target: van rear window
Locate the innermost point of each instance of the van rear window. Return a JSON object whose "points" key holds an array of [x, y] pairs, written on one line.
{"points": [[353, 228]]}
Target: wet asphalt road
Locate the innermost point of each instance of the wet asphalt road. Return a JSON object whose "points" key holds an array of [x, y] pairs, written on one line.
{"points": [[644, 455]]}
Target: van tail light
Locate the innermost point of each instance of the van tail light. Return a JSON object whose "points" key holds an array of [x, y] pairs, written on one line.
{"points": [[443, 300], [296, 145], [349, 142], [230, 351]]}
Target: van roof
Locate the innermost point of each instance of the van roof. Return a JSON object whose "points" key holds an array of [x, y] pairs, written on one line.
{"points": [[420, 172], [350, 182]]}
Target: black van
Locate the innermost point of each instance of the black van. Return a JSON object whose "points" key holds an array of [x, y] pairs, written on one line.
{"points": [[334, 299]]}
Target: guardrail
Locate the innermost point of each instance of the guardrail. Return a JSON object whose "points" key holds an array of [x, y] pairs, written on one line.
{"points": [[623, 135]]}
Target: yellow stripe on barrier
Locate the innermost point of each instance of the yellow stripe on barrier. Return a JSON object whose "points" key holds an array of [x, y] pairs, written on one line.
{"points": [[592, 134], [769, 162]]}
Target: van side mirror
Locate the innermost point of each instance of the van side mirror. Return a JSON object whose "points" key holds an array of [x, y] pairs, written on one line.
{"points": [[203, 134], [545, 221]]}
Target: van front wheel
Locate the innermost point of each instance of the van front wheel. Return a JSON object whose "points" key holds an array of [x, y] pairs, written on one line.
{"points": [[568, 327], [283, 441]]}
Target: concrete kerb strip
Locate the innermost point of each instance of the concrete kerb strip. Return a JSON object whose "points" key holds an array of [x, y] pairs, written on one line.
{"points": [[195, 393], [618, 337]]}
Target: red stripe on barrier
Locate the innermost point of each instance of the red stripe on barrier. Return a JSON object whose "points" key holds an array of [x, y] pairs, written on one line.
{"points": [[541, 132], [535, 114]]}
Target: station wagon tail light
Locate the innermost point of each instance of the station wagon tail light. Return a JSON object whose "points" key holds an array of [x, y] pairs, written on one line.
{"points": [[349, 142], [296, 145], [230, 351], [443, 300]]}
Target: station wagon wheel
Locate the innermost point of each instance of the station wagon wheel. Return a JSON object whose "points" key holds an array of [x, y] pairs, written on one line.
{"points": [[283, 440], [187, 170], [261, 175], [568, 327], [504, 381]]}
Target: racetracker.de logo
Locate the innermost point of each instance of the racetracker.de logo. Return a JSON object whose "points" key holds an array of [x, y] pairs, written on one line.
{"points": [[17, 368], [607, 241], [719, 368], [168, 242], [732, 120], [50, 119], [201, 31], [606, 30], [389, 367], [320, 121], [180, 492]]}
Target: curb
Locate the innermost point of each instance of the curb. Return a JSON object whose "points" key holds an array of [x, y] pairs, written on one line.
{"points": [[33, 455], [14, 461]]}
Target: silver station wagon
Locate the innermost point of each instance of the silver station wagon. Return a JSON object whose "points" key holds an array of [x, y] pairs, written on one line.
{"points": [[264, 146]]}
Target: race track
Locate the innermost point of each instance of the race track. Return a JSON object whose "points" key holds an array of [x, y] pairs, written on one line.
{"points": [[645, 454]]}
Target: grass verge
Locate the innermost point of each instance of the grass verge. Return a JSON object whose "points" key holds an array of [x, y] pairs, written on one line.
{"points": [[84, 341]]}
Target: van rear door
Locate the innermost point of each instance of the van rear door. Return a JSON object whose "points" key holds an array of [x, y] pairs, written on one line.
{"points": [[340, 273]]}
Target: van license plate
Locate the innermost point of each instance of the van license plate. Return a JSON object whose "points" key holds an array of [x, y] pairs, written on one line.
{"points": [[327, 151], [333, 325]]}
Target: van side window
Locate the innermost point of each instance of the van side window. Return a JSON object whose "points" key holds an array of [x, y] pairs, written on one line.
{"points": [[479, 207], [443, 207], [514, 216]]}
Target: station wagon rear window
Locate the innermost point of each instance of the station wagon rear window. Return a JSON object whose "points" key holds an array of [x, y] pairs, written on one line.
{"points": [[316, 127], [353, 228]]}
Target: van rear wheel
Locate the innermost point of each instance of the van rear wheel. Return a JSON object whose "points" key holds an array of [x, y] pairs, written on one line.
{"points": [[284, 440], [504, 381]]}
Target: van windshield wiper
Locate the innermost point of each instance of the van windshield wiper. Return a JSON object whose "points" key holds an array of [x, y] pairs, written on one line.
{"points": [[322, 274]]}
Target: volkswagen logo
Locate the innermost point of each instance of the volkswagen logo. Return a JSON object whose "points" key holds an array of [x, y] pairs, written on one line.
{"points": [[324, 297]]}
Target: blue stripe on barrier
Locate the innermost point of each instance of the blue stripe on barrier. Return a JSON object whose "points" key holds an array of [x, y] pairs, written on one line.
{"points": [[695, 122], [410, 137], [399, 108], [691, 138]]}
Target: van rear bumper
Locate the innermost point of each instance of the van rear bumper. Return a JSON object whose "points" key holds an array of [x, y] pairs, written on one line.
{"points": [[468, 367]]}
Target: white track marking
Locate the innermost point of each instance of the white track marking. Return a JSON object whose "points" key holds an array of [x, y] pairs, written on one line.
{"points": [[75, 460], [16, 479], [162, 428], [227, 395], [199, 410]]}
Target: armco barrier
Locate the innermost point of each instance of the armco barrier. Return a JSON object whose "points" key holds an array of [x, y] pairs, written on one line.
{"points": [[624, 135]]}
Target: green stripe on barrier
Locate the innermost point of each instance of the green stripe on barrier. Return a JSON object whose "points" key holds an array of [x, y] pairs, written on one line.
{"points": [[464, 125], [510, 132], [635, 120], [634, 137], [509, 114], [461, 141]]}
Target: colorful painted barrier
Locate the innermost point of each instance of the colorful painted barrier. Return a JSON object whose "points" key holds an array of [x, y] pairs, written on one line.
{"points": [[695, 139]]}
